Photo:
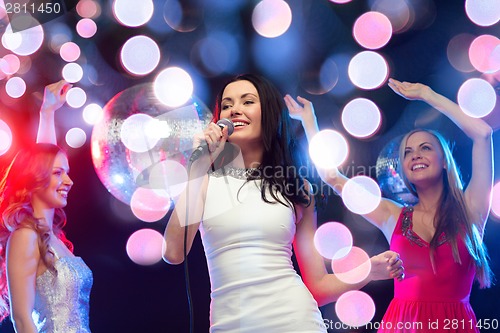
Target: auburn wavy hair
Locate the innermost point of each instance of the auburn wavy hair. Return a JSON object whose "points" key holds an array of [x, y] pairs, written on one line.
{"points": [[30, 171]]}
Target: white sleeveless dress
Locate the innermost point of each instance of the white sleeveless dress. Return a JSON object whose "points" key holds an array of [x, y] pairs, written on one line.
{"points": [[248, 245]]}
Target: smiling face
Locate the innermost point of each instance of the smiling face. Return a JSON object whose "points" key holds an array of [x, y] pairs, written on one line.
{"points": [[240, 102], [423, 159], [56, 193]]}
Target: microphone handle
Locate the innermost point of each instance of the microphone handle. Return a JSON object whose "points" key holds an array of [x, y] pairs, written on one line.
{"points": [[197, 153]]}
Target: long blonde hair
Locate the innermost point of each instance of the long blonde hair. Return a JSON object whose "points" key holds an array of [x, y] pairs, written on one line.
{"points": [[29, 172], [452, 216]]}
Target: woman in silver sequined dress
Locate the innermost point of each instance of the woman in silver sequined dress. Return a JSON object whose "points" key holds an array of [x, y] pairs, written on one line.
{"points": [[43, 286]]}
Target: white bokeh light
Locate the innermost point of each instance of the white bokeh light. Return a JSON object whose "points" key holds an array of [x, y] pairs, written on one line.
{"points": [[76, 137], [5, 137], [92, 114], [173, 86], [76, 97], [132, 13], [72, 72], [368, 70], [134, 133], [15, 87], [361, 117], [483, 12], [11, 40], [333, 240], [361, 195], [24, 42], [328, 149], [159, 128], [140, 55], [170, 176], [271, 18], [477, 97]]}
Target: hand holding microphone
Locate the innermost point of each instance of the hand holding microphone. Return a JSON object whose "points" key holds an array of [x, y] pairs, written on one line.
{"points": [[214, 137]]}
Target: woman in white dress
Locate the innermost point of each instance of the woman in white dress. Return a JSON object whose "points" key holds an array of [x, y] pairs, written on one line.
{"points": [[252, 208]]}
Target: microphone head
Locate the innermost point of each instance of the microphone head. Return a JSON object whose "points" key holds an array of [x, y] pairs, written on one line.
{"points": [[224, 122]]}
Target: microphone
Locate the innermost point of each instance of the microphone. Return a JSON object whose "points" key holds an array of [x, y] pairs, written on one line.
{"points": [[200, 150]]}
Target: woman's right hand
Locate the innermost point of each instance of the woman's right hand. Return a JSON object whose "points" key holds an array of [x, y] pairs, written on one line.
{"points": [[212, 138]]}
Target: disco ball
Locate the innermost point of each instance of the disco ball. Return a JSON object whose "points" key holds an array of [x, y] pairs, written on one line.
{"points": [[140, 142], [389, 179]]}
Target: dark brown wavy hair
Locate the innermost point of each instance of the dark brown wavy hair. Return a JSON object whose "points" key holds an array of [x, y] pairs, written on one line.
{"points": [[30, 171], [282, 160]]}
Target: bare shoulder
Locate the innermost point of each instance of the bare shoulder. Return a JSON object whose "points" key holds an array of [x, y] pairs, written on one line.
{"points": [[24, 240], [24, 234]]}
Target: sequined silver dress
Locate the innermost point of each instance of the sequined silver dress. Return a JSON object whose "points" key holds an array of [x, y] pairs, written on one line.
{"points": [[62, 300]]}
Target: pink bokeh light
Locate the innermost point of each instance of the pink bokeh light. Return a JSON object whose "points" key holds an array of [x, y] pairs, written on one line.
{"points": [[372, 30], [352, 268], [86, 28], [144, 247], [355, 308], [482, 53], [70, 52], [150, 205]]}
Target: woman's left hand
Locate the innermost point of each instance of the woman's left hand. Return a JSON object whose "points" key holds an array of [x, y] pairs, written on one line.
{"points": [[297, 111], [387, 265]]}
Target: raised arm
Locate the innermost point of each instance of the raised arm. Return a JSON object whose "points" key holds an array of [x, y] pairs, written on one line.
{"points": [[325, 287], [54, 97], [478, 192], [386, 214], [23, 257], [304, 112]]}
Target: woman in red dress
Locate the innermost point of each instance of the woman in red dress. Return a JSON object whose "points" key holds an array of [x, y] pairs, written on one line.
{"points": [[440, 237]]}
